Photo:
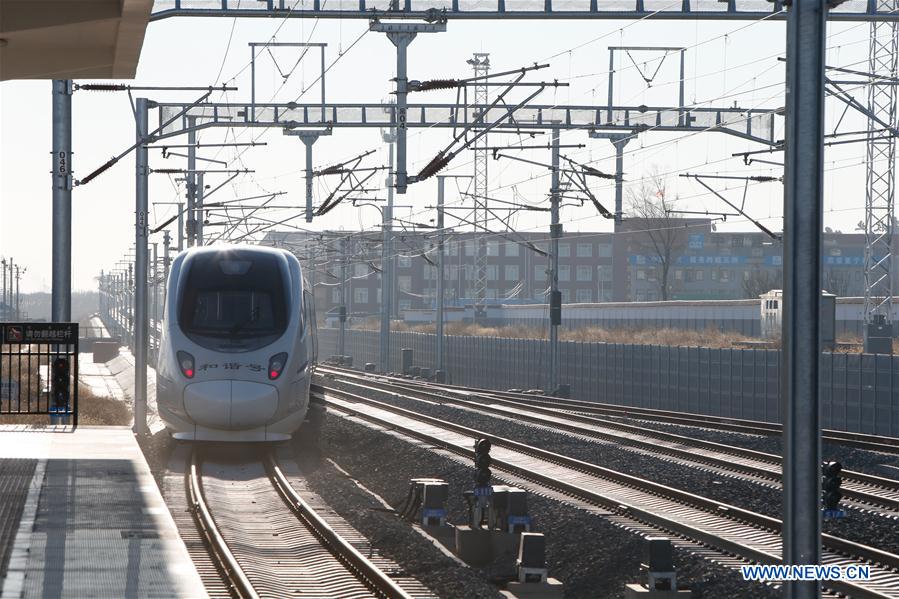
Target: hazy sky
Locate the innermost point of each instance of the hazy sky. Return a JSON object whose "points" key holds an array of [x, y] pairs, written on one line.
{"points": [[727, 64]]}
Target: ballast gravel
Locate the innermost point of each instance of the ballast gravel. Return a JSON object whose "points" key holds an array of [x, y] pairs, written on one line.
{"points": [[863, 527], [592, 556]]}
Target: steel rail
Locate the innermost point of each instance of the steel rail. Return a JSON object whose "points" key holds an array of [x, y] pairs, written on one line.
{"points": [[357, 563], [751, 427], [219, 549], [732, 513], [540, 413]]}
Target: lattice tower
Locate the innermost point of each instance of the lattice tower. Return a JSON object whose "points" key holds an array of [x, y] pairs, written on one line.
{"points": [[481, 65], [881, 176]]}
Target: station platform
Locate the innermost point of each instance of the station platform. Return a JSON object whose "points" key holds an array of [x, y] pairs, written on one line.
{"points": [[81, 516]]}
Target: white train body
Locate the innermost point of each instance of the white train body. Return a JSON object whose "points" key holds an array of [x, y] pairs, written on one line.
{"points": [[237, 345]]}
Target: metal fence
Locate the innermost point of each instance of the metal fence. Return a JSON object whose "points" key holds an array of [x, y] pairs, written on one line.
{"points": [[39, 369], [858, 393]]}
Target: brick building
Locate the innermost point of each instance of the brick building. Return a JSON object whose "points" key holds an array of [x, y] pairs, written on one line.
{"points": [[593, 267]]}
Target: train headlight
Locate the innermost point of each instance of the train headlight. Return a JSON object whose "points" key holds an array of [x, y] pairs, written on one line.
{"points": [[186, 364], [276, 365]]}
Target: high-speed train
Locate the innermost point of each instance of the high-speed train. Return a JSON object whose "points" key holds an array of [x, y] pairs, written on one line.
{"points": [[237, 345]]}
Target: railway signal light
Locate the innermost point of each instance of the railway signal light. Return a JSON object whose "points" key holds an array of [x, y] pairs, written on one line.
{"points": [[59, 383], [830, 489], [482, 462]]}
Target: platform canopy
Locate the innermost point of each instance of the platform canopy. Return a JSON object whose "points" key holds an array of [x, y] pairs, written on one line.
{"points": [[71, 39]]}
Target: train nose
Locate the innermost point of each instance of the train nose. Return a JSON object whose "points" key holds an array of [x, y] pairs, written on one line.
{"points": [[230, 405]]}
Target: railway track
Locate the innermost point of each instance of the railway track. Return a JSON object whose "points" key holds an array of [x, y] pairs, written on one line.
{"points": [[864, 491], [729, 529], [267, 538], [737, 425]]}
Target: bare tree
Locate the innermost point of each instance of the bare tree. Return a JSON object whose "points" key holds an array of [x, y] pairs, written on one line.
{"points": [[761, 281], [657, 233]]}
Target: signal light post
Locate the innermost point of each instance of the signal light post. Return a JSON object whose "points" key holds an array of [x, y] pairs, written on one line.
{"points": [[830, 490], [59, 390], [482, 490]]}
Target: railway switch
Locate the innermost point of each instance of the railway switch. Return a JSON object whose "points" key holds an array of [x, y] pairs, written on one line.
{"points": [[433, 508], [531, 563], [509, 510], [661, 578]]}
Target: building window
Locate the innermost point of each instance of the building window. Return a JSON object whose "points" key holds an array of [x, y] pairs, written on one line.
{"points": [[714, 275], [584, 272], [641, 274], [405, 304], [584, 295], [564, 250], [360, 295], [430, 272], [566, 296], [360, 270], [747, 242], [725, 276], [492, 272], [378, 294], [539, 272], [758, 252], [689, 276], [564, 272], [678, 275], [335, 295], [700, 275], [490, 293], [470, 247], [585, 250], [511, 272], [404, 282], [404, 261], [451, 248], [493, 248], [604, 250], [746, 275], [511, 248]]}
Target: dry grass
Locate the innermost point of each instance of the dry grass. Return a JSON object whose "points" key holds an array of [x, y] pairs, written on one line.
{"points": [[704, 338], [710, 337], [103, 411]]}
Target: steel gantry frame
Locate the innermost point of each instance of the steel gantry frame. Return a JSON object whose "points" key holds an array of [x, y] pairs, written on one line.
{"points": [[880, 180], [805, 41], [506, 9]]}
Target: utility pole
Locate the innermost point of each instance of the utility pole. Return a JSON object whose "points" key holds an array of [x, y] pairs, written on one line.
{"points": [[181, 226], [201, 191], [18, 276], [555, 297], [3, 294], [191, 180], [341, 340], [439, 366], [166, 243], [801, 354], [61, 296], [154, 289], [140, 261], [387, 260]]}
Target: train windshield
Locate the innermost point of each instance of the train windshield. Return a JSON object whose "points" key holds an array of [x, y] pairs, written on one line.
{"points": [[234, 301]]}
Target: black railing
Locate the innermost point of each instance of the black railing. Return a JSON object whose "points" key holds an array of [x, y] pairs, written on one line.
{"points": [[39, 369]]}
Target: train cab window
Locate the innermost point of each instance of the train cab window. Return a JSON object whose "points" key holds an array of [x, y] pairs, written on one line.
{"points": [[234, 303]]}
